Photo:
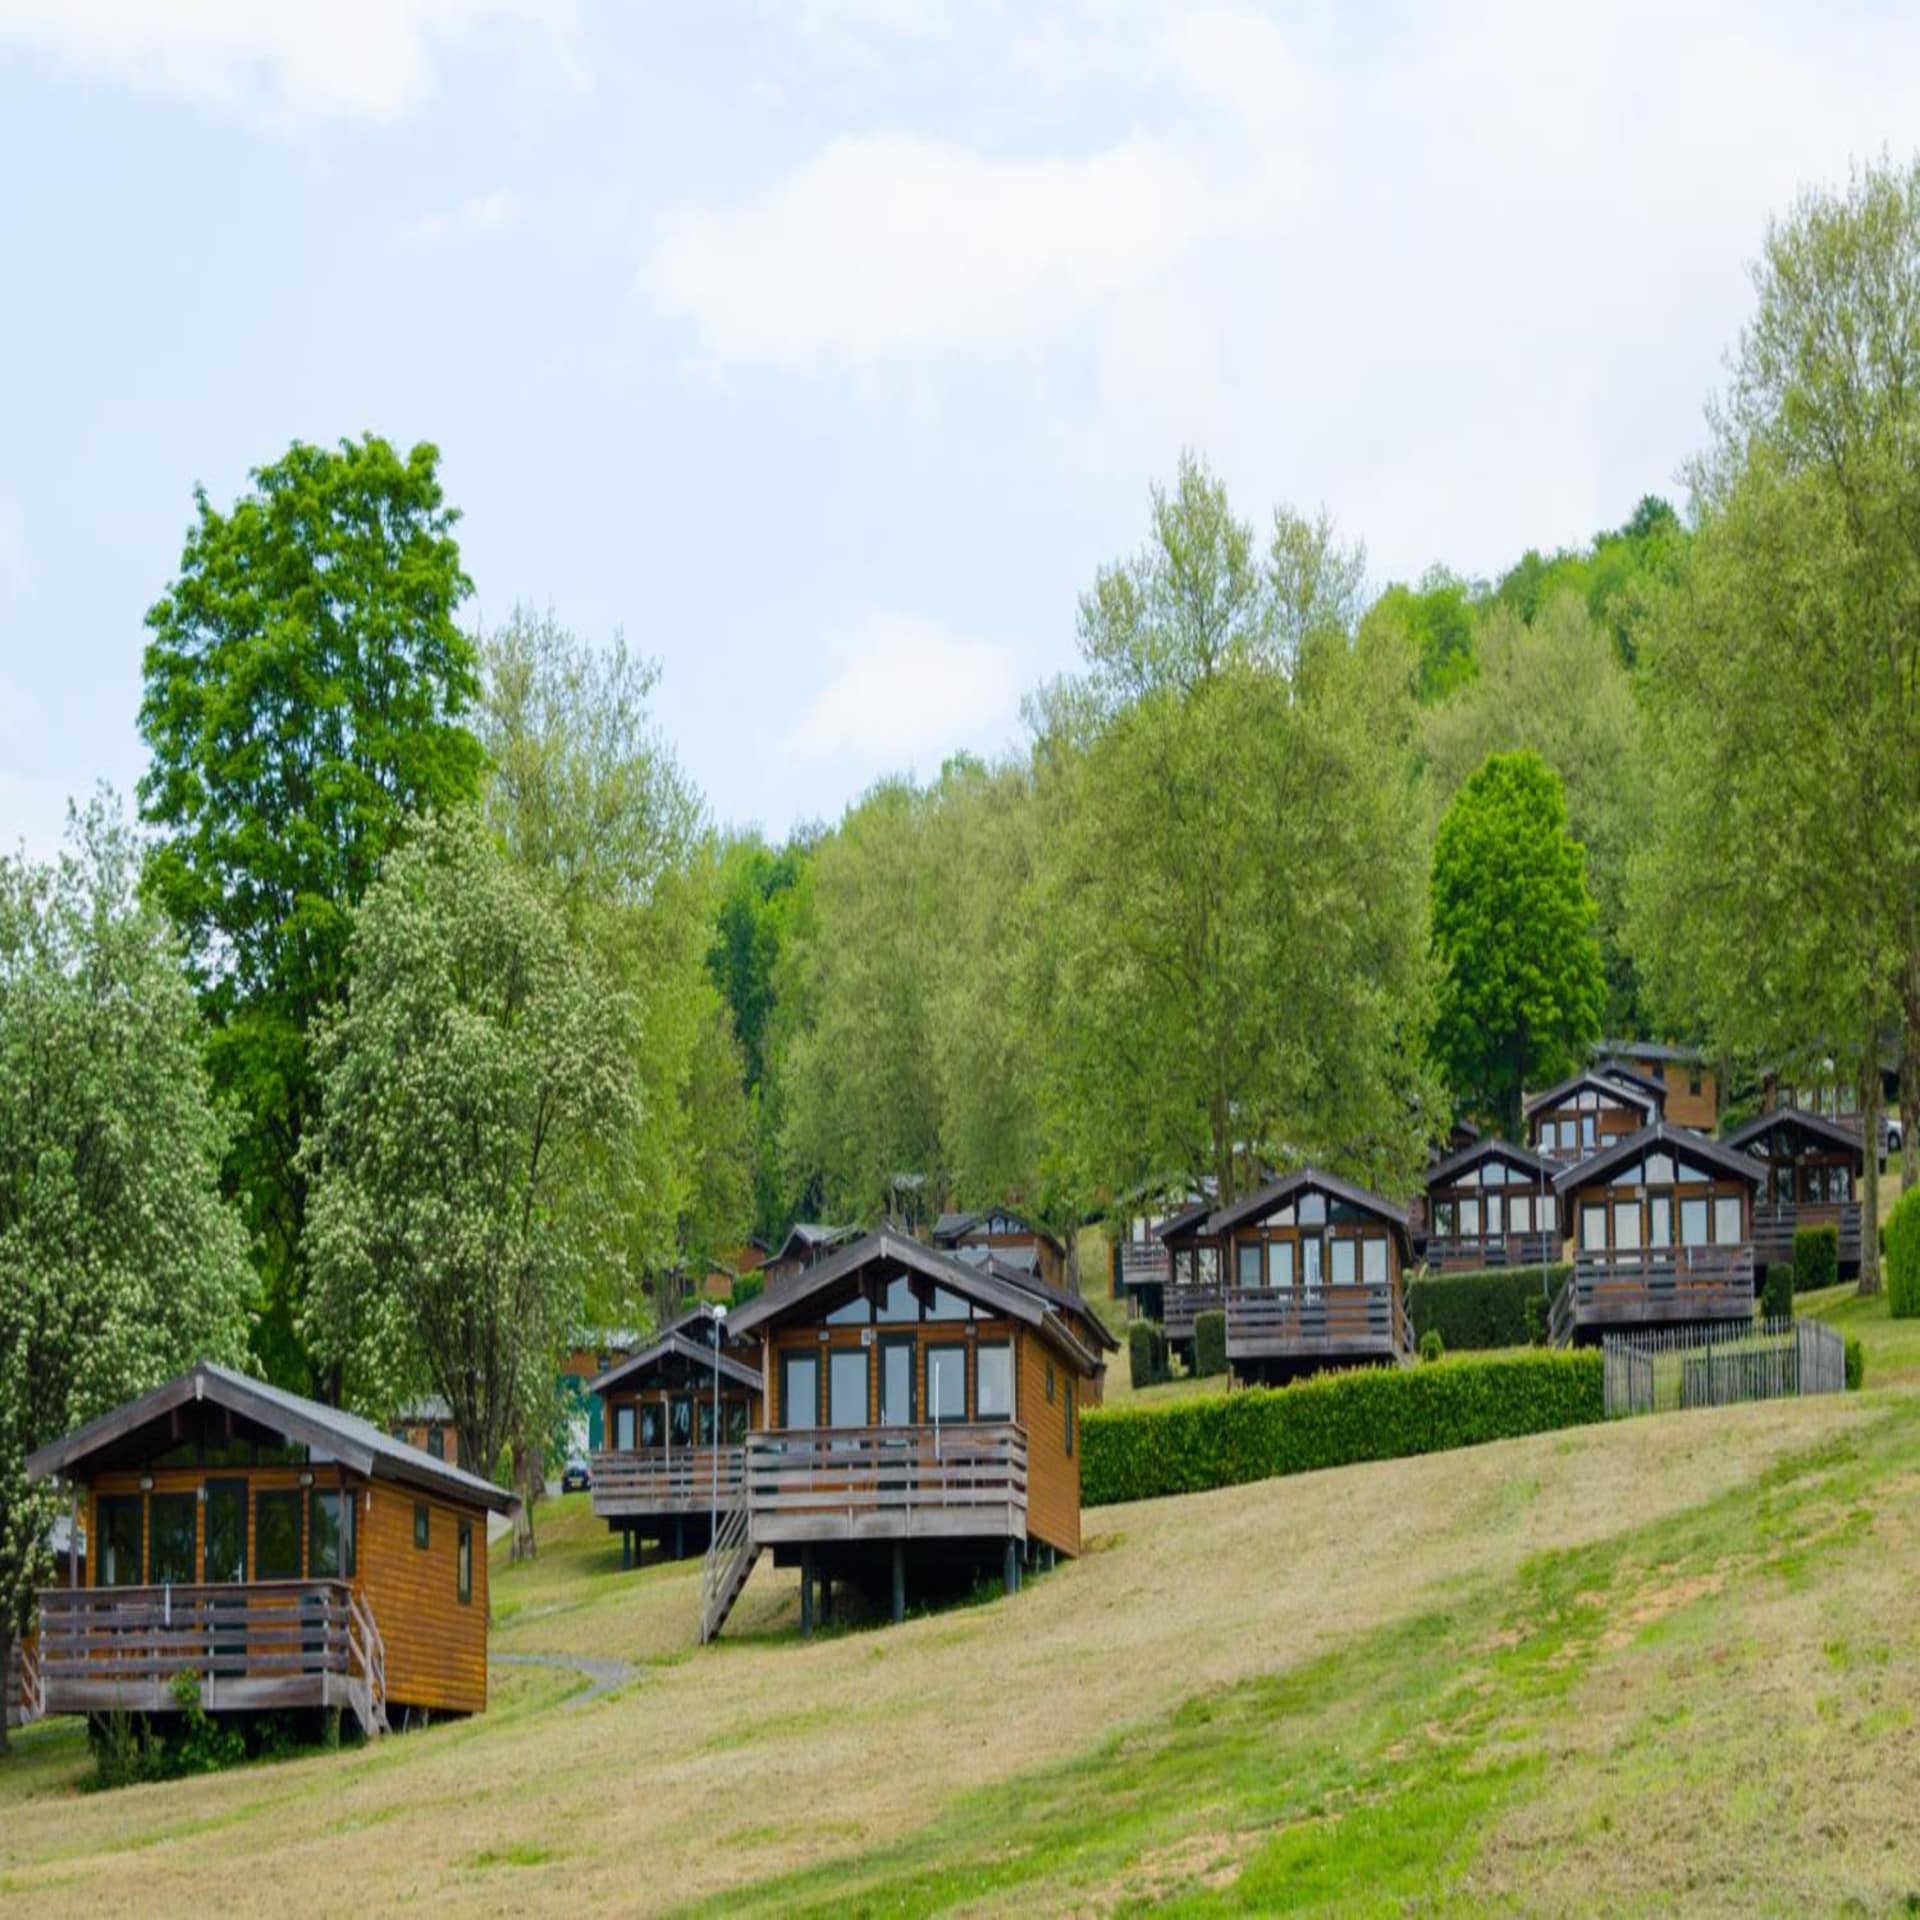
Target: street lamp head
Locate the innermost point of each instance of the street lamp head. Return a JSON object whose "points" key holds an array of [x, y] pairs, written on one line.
{"points": [[720, 1310]]}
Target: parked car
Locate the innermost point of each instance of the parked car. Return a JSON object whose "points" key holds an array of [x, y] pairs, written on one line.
{"points": [[578, 1477]]}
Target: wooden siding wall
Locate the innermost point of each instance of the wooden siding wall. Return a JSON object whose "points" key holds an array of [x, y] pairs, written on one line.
{"points": [[436, 1646], [413, 1433], [1053, 1477], [1700, 1111]]}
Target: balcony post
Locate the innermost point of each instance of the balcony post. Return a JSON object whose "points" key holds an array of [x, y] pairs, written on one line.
{"points": [[899, 1582], [806, 1593], [1010, 1577]]}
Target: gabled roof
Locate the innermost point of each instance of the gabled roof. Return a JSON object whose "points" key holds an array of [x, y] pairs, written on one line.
{"points": [[806, 1237], [1455, 1164], [673, 1344], [955, 1226], [1076, 1305], [1277, 1193], [889, 1249], [1815, 1126], [357, 1444], [1631, 1077], [1662, 1134], [1648, 1095], [1649, 1050], [1185, 1224]]}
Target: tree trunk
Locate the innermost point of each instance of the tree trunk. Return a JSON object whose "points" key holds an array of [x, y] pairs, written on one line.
{"points": [[529, 1481], [1870, 1134], [1910, 1077]]}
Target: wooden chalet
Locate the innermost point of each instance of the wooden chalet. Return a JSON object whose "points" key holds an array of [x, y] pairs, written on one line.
{"points": [[1662, 1226], [1491, 1204], [1809, 1165], [286, 1554], [1822, 1090], [1309, 1272], [1682, 1073], [807, 1243], [1591, 1111], [675, 1419], [427, 1425], [919, 1423], [1010, 1237], [1074, 1308], [1140, 1263]]}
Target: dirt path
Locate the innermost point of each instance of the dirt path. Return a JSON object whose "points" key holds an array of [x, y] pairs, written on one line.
{"points": [[602, 1676]]}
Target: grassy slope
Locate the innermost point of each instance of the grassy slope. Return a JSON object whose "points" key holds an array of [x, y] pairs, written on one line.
{"points": [[1670, 1659]]}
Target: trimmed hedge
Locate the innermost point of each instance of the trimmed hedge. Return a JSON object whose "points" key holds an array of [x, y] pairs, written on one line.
{"points": [[1331, 1420], [1776, 1291], [1146, 1353], [1209, 1344], [1478, 1310], [1816, 1258], [1900, 1239]]}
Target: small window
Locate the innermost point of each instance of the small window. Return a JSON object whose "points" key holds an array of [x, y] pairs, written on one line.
{"points": [[1726, 1220], [436, 1443], [1071, 1390], [1373, 1262], [993, 1389], [1250, 1263], [1693, 1223], [1340, 1262], [422, 1525], [464, 1564], [1049, 1383], [330, 1554], [119, 1552]]}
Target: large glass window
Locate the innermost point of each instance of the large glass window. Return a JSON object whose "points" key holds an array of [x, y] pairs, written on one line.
{"points": [[1496, 1216], [276, 1531], [1340, 1255], [1593, 1228], [1726, 1220], [170, 1517], [1313, 1210], [1373, 1262], [1279, 1263], [847, 1387], [653, 1424], [799, 1389], [898, 1303], [1443, 1220], [680, 1420], [1250, 1263], [1469, 1219], [225, 1559], [1547, 1212], [1660, 1220], [1626, 1226], [1520, 1212], [950, 1306], [739, 1418], [119, 1548], [330, 1553], [623, 1429], [993, 1382], [897, 1383], [947, 1382], [1310, 1264], [1586, 1131], [857, 1312], [1693, 1223]]}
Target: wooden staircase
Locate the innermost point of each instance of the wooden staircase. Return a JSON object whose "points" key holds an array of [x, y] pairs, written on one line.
{"points": [[1560, 1316], [730, 1559], [366, 1669], [24, 1701]]}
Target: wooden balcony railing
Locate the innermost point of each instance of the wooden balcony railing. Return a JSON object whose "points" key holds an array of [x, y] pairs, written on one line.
{"points": [[1774, 1225], [21, 1684], [1278, 1323], [1467, 1254], [652, 1480], [1661, 1284], [887, 1483], [1144, 1264], [1183, 1305], [293, 1643]]}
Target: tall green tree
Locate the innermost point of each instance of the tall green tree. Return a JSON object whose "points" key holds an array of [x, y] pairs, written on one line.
{"points": [[305, 685], [474, 1095], [119, 1261], [1521, 989], [1439, 616], [1233, 968]]}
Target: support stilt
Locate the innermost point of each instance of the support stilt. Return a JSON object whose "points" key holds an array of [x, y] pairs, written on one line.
{"points": [[626, 1549], [806, 1593], [1010, 1577], [899, 1583], [826, 1599]]}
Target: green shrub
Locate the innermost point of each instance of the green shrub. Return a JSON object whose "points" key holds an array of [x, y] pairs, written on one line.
{"points": [[1433, 1345], [1473, 1311], [1146, 1354], [1331, 1420], [1901, 1240], [1816, 1258], [1856, 1365], [1209, 1344], [1776, 1290]]}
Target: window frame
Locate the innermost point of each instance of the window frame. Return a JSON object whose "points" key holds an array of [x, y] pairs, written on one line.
{"points": [[980, 1352], [280, 1498], [422, 1527], [121, 1503], [172, 1499], [936, 1350], [463, 1564]]}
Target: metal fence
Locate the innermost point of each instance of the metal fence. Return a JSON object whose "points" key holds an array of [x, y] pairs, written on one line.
{"points": [[1672, 1368]]}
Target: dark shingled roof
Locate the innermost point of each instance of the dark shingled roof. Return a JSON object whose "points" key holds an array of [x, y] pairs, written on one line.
{"points": [[1277, 1193], [672, 1343], [357, 1444], [1443, 1171], [1816, 1126], [1639, 1091], [1663, 1133]]}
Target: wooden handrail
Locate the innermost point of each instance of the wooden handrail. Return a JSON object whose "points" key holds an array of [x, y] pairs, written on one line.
{"points": [[976, 1463], [683, 1477]]}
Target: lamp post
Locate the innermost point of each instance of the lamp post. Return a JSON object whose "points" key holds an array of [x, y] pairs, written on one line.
{"points": [[719, 1329]]}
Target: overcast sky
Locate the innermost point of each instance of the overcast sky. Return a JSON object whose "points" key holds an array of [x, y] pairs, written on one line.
{"points": [[828, 348]]}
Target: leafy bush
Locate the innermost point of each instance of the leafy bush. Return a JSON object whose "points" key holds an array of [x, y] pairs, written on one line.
{"points": [[1146, 1354], [1478, 1310], [1776, 1290], [1901, 1240], [1330, 1420], [1816, 1258], [1209, 1344], [1432, 1345], [1856, 1365], [748, 1286]]}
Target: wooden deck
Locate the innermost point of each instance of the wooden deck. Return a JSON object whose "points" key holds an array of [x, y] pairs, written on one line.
{"points": [[1774, 1227], [887, 1483], [1656, 1287], [279, 1644], [631, 1485], [1288, 1323], [1144, 1264], [1184, 1305], [1482, 1255]]}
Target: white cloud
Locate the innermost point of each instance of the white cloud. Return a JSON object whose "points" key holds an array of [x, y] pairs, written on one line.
{"points": [[16, 563], [891, 244], [901, 692], [482, 213], [284, 62]]}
